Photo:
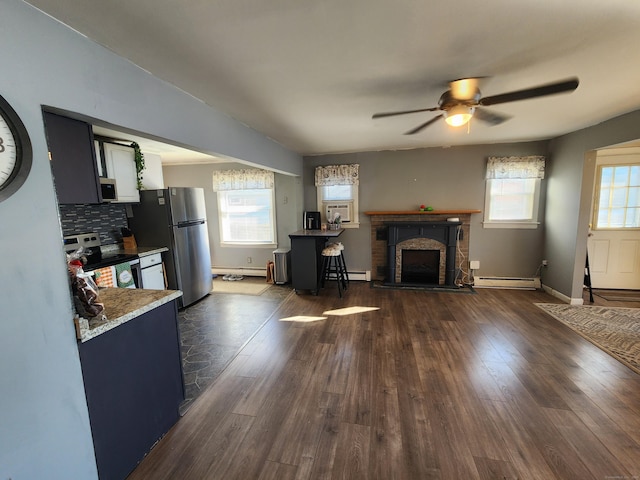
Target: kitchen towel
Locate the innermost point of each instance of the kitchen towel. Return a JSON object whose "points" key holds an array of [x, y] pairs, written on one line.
{"points": [[105, 277], [124, 276]]}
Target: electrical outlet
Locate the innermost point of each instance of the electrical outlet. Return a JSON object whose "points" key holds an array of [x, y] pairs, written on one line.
{"points": [[545, 263], [249, 260], [474, 264]]}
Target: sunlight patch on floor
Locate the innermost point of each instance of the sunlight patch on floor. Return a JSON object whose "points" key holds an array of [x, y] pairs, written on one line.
{"points": [[350, 310], [302, 319]]}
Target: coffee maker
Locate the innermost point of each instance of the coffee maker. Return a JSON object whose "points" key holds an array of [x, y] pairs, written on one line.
{"points": [[311, 221]]}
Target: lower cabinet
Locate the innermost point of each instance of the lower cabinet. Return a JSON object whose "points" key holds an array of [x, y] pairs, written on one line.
{"points": [[306, 262], [152, 272], [134, 386]]}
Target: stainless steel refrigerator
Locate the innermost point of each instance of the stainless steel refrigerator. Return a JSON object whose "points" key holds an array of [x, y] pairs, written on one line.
{"points": [[176, 217]]}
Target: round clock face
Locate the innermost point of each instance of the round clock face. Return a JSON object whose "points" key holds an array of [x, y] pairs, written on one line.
{"points": [[15, 151]]}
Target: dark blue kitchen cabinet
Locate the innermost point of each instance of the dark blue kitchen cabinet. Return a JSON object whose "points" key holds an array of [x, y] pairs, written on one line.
{"points": [[134, 386], [73, 159]]}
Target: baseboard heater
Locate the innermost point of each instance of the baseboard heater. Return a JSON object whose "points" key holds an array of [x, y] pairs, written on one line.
{"points": [[250, 272], [361, 275], [262, 272], [507, 282]]}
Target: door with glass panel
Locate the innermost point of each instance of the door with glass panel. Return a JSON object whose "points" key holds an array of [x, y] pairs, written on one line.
{"points": [[614, 242]]}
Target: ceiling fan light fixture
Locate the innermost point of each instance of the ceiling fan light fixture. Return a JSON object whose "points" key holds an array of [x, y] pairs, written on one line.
{"points": [[458, 115]]}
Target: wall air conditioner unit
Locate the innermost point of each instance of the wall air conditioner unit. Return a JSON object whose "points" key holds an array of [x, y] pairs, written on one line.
{"points": [[345, 209], [507, 282]]}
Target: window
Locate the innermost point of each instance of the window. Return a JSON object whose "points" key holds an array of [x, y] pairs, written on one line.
{"points": [[246, 212], [618, 197], [513, 192], [337, 193]]}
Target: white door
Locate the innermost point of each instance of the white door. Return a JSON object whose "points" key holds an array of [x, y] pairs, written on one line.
{"points": [[614, 242]]}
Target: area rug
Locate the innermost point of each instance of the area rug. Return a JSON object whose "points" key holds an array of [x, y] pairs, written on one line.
{"points": [[246, 286], [618, 295], [615, 330]]}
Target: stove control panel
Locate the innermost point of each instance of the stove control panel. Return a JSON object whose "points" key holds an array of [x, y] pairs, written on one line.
{"points": [[86, 240]]}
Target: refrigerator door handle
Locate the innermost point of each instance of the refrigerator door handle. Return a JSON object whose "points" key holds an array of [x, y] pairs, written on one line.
{"points": [[190, 223]]}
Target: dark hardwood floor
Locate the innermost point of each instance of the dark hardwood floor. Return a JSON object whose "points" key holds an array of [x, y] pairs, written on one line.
{"points": [[430, 386]]}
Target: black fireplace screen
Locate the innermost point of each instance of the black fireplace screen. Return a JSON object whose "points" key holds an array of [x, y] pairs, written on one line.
{"points": [[420, 266]]}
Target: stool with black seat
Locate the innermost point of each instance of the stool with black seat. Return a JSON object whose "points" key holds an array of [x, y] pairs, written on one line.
{"points": [[334, 266]]}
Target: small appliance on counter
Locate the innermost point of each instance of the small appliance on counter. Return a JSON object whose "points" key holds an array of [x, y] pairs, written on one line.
{"points": [[311, 221]]}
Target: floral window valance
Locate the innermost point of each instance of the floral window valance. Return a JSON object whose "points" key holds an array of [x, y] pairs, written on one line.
{"points": [[338, 175], [515, 167], [247, 179]]}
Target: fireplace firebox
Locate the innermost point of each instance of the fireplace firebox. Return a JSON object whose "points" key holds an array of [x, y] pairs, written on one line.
{"points": [[420, 266]]}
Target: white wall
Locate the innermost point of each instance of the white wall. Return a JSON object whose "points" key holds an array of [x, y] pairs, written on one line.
{"points": [[44, 425]]}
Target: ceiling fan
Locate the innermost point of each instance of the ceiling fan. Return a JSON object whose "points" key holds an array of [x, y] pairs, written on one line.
{"points": [[463, 99]]}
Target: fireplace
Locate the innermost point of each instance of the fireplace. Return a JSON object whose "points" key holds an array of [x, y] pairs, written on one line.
{"points": [[421, 253], [380, 221], [420, 266]]}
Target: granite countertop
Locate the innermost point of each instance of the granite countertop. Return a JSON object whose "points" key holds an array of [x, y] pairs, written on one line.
{"points": [[144, 251], [122, 305], [316, 233], [140, 251]]}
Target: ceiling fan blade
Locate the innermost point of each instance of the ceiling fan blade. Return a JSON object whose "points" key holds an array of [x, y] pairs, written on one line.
{"points": [[423, 126], [491, 118], [550, 89], [404, 112]]}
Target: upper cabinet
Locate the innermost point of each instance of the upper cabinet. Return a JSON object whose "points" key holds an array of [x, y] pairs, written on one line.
{"points": [[73, 160], [153, 178], [120, 163]]}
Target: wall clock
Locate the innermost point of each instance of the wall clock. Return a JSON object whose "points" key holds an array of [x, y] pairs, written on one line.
{"points": [[15, 151]]}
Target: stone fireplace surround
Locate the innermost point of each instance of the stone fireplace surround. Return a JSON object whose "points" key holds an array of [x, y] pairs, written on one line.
{"points": [[380, 234]]}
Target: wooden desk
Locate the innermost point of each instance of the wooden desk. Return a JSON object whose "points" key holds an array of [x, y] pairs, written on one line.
{"points": [[306, 257]]}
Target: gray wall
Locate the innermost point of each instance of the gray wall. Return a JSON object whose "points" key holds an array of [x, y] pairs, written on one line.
{"points": [[445, 178], [44, 426], [570, 189], [288, 191]]}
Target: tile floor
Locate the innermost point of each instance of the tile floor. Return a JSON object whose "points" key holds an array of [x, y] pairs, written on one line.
{"points": [[213, 330]]}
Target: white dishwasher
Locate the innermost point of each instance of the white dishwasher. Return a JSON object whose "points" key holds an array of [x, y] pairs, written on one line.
{"points": [[152, 272]]}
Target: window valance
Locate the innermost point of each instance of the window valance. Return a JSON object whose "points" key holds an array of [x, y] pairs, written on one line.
{"points": [[338, 175], [515, 167], [245, 179]]}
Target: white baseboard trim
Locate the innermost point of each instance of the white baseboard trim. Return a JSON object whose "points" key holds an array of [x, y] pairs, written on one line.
{"points": [[562, 296]]}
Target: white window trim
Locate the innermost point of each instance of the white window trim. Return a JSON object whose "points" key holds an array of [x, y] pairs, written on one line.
{"points": [[355, 222], [531, 224], [329, 175], [227, 244], [613, 159]]}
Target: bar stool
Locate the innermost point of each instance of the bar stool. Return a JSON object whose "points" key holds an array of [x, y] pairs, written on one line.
{"points": [[334, 266]]}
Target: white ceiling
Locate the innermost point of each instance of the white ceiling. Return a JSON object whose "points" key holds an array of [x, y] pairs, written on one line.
{"points": [[310, 73]]}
